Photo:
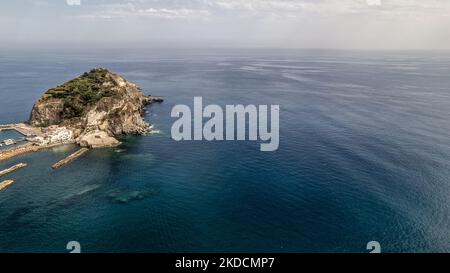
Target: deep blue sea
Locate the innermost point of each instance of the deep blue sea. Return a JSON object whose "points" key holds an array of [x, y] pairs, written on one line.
{"points": [[364, 155]]}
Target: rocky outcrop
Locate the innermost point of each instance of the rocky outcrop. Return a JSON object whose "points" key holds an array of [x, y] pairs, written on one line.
{"points": [[97, 107], [97, 139]]}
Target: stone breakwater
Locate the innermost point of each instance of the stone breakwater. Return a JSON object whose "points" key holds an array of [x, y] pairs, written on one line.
{"points": [[25, 149], [12, 169], [5, 184], [70, 158], [22, 149]]}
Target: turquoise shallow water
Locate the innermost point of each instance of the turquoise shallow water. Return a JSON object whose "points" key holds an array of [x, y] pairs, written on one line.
{"points": [[364, 155]]}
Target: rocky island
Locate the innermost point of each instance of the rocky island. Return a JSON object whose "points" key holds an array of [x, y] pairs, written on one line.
{"points": [[92, 110]]}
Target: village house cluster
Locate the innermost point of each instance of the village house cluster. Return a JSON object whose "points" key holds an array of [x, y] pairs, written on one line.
{"points": [[53, 135]]}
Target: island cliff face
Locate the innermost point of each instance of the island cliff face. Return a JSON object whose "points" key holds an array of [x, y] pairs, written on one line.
{"points": [[93, 109]]}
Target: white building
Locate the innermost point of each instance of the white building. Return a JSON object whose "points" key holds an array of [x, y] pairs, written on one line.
{"points": [[61, 134]]}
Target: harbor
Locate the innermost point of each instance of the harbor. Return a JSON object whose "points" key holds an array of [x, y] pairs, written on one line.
{"points": [[19, 139], [16, 134], [22, 138], [22, 128]]}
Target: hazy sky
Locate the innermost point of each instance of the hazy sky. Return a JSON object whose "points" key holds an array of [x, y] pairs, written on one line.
{"points": [[363, 24]]}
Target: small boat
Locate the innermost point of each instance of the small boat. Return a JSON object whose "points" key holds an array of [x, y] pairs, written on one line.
{"points": [[9, 142], [5, 184]]}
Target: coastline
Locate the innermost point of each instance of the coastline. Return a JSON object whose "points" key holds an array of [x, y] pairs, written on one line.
{"points": [[27, 148], [30, 146]]}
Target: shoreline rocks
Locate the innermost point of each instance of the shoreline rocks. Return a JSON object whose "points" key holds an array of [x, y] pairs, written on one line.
{"points": [[97, 139]]}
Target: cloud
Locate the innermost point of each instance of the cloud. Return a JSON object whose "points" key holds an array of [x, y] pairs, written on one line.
{"points": [[262, 8], [173, 13], [73, 2], [133, 10], [374, 2], [260, 23]]}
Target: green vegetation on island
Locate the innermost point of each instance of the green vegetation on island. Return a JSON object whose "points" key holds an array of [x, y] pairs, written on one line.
{"points": [[83, 91]]}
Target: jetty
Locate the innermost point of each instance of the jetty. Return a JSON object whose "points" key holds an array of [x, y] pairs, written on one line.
{"points": [[5, 184], [70, 158], [19, 150], [22, 128], [12, 169]]}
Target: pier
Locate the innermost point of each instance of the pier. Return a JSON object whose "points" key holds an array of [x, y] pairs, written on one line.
{"points": [[70, 158], [5, 184], [12, 169], [22, 149], [22, 128]]}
